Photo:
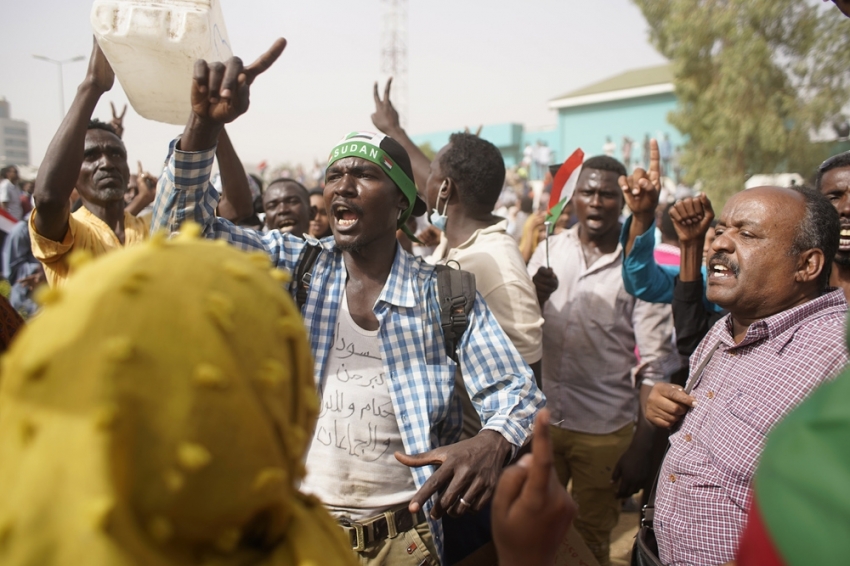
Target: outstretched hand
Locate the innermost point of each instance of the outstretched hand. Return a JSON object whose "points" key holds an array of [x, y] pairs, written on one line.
{"points": [[692, 218], [100, 73], [220, 91], [467, 474], [531, 510], [385, 117], [642, 188]]}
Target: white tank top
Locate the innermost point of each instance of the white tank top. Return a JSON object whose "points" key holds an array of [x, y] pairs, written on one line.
{"points": [[350, 464]]}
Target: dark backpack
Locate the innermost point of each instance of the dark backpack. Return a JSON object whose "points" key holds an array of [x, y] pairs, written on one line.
{"points": [[455, 292]]}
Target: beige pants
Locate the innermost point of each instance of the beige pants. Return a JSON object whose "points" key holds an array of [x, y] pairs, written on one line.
{"points": [[589, 460], [412, 548]]}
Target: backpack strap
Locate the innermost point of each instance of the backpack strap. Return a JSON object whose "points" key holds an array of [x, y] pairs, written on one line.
{"points": [[304, 272], [456, 296]]}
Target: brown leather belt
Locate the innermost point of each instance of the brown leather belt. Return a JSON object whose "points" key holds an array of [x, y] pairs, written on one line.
{"points": [[389, 524]]}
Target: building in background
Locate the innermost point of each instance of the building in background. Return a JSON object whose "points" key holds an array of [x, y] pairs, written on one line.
{"points": [[510, 138], [627, 108], [14, 138]]}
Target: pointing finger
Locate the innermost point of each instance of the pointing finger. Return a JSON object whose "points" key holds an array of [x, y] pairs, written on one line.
{"points": [[542, 461], [654, 162], [123, 112], [375, 94], [430, 458], [112, 105], [265, 60]]}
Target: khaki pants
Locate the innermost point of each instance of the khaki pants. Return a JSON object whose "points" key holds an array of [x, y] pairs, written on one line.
{"points": [[589, 460], [412, 548]]}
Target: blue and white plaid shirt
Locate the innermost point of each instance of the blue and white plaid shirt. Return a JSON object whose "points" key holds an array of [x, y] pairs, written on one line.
{"points": [[420, 374]]}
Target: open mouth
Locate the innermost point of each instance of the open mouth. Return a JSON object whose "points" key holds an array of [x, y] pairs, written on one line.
{"points": [[844, 238], [721, 271], [718, 268], [286, 224], [344, 215]]}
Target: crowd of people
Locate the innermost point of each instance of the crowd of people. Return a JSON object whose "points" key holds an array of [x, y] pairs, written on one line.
{"points": [[411, 363]]}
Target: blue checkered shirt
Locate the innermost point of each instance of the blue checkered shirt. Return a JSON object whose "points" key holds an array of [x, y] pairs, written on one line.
{"points": [[420, 374]]}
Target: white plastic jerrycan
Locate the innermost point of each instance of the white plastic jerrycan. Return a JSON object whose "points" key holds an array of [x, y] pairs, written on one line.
{"points": [[153, 44]]}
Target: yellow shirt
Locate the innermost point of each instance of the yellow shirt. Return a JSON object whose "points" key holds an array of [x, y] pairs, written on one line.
{"points": [[85, 232]]}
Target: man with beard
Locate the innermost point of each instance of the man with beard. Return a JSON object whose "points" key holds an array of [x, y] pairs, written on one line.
{"points": [[383, 455], [833, 181], [783, 336], [87, 155], [287, 207]]}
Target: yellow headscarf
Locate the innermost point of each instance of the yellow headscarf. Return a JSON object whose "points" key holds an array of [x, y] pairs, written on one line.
{"points": [[158, 413]]}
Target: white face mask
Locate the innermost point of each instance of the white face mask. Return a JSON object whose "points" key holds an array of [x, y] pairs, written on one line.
{"points": [[437, 219]]}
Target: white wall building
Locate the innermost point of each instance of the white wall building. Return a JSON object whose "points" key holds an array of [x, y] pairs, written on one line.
{"points": [[14, 138]]}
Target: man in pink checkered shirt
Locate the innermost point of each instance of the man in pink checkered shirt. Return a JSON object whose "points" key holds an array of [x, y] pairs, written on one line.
{"points": [[783, 336]]}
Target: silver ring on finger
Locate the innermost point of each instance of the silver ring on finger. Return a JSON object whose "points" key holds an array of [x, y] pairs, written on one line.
{"points": [[464, 502]]}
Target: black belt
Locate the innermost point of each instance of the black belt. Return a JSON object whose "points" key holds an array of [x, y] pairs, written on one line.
{"points": [[389, 524]]}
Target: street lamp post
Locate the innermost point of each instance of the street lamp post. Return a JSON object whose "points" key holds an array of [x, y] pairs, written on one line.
{"points": [[61, 80]]}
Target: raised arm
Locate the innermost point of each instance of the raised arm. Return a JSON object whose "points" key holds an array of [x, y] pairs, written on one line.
{"points": [[236, 203], [58, 173], [642, 276], [386, 120], [692, 219], [219, 95]]}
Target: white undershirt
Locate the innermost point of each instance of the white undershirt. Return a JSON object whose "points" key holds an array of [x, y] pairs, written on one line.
{"points": [[350, 464]]}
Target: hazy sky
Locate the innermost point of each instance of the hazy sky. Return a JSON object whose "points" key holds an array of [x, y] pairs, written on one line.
{"points": [[470, 62]]}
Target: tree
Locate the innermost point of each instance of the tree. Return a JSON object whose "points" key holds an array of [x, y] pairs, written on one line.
{"points": [[754, 80]]}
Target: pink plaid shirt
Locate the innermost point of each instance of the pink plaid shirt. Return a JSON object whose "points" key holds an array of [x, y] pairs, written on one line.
{"points": [[704, 489]]}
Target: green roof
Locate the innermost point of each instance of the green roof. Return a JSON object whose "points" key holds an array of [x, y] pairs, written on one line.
{"points": [[648, 76]]}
